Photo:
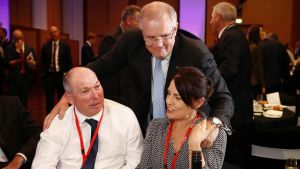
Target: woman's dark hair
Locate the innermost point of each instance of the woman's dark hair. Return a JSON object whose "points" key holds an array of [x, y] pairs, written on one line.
{"points": [[254, 34], [192, 85]]}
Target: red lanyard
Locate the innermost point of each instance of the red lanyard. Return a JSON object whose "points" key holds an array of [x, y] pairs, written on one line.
{"points": [[84, 156], [188, 132]]}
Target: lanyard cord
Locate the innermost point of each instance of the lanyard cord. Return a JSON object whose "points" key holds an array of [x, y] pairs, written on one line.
{"points": [[84, 156], [170, 128]]}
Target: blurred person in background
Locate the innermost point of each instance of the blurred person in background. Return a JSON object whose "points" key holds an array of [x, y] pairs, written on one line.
{"points": [[232, 55], [55, 60], [19, 134], [87, 52], [21, 59], [255, 34], [129, 20], [4, 42], [275, 63]]}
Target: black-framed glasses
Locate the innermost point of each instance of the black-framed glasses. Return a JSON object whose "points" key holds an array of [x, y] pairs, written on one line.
{"points": [[152, 39]]}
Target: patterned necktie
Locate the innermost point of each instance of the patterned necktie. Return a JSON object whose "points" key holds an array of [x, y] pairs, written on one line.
{"points": [[90, 161], [158, 99]]}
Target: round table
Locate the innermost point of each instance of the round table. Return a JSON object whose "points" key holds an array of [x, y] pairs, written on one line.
{"points": [[277, 132]]}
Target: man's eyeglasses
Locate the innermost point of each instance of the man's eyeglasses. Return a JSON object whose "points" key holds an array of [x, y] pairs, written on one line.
{"points": [[152, 39]]}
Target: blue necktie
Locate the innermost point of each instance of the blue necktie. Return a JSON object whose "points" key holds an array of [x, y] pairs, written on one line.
{"points": [[90, 161], [158, 99]]}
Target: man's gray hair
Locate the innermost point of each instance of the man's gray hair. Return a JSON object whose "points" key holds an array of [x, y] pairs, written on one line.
{"points": [[155, 10], [226, 10]]}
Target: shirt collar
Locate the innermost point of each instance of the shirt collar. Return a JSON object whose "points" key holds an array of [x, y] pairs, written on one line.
{"points": [[223, 29], [167, 58], [55, 42], [82, 118], [89, 43]]}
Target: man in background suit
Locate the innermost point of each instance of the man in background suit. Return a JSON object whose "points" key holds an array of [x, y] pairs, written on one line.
{"points": [[87, 53], [21, 61], [4, 42], [19, 134], [232, 55], [54, 62], [129, 19], [275, 64]]}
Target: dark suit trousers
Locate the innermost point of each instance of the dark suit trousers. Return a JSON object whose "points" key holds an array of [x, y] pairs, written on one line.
{"points": [[53, 85]]}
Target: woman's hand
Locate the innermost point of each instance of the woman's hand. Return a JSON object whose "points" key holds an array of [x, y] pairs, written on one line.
{"points": [[204, 133]]}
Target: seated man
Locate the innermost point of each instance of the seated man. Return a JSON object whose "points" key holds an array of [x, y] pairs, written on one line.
{"points": [[19, 134], [95, 133]]}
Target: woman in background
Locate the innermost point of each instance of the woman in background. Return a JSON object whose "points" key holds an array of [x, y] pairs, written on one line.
{"points": [[255, 35]]}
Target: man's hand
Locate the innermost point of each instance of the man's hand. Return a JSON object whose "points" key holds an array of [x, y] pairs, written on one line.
{"points": [[16, 163], [211, 137], [31, 63], [18, 45], [15, 61], [60, 109]]}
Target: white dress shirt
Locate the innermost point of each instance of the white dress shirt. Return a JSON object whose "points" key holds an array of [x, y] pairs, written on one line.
{"points": [[120, 140], [3, 157], [56, 55]]}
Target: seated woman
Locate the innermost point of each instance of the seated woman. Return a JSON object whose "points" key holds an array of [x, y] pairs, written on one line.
{"points": [[170, 141]]}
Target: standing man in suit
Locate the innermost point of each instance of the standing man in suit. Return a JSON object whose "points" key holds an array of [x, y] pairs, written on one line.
{"points": [[275, 64], [19, 134], [233, 58], [21, 60], [129, 19], [55, 61], [87, 53], [4, 42], [158, 44]]}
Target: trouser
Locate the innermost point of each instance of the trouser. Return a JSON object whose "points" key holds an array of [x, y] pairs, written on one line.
{"points": [[53, 85]]}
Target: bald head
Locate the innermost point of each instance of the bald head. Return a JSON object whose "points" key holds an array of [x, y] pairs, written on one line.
{"points": [[156, 11], [76, 74], [18, 35], [53, 28]]}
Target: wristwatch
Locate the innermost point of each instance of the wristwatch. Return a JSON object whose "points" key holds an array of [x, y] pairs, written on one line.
{"points": [[216, 121]]}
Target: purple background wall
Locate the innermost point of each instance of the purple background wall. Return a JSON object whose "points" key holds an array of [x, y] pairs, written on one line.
{"points": [[192, 16], [4, 15]]}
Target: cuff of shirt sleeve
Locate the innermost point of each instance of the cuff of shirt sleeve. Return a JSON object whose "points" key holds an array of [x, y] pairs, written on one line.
{"points": [[24, 157], [222, 125], [227, 129]]}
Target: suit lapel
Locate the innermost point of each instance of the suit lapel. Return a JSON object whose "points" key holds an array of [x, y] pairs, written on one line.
{"points": [[26, 51], [145, 57], [173, 65]]}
